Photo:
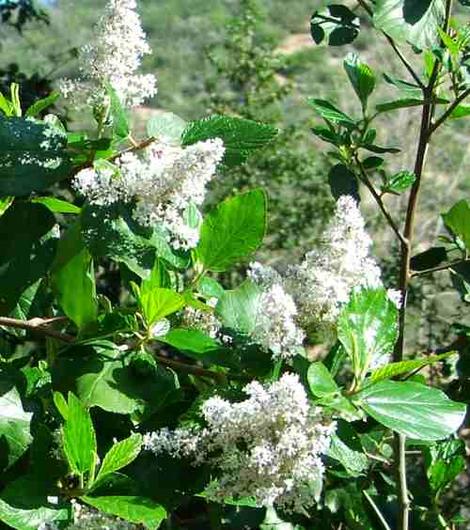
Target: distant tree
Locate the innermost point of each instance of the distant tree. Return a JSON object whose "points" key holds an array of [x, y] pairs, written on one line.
{"points": [[18, 12], [248, 82]]}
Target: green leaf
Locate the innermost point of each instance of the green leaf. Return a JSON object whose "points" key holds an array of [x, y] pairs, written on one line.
{"points": [[25, 258], [15, 99], [15, 435], [29, 519], [120, 121], [343, 181], [233, 231], [399, 182], [241, 137], [210, 288], [327, 135], [61, 404], [320, 380], [444, 462], [5, 203], [168, 126], [238, 309], [428, 259], [403, 367], [330, 113], [112, 232], [457, 220], [380, 149], [32, 156], [102, 376], [79, 437], [368, 328], [159, 303], [120, 455], [461, 111], [361, 76], [137, 510], [414, 22], [346, 448], [42, 104], [73, 279], [57, 205], [405, 103], [372, 162], [190, 341], [336, 24], [405, 87], [412, 409]]}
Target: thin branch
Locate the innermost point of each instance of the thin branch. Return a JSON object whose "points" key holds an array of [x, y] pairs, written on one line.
{"points": [[379, 201], [191, 369], [443, 267], [36, 325], [134, 148], [41, 326], [449, 111], [403, 496], [377, 511], [395, 48]]}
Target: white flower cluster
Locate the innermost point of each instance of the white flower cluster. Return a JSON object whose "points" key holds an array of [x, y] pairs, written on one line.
{"points": [[323, 282], [201, 320], [113, 57], [166, 181], [276, 327], [267, 447]]}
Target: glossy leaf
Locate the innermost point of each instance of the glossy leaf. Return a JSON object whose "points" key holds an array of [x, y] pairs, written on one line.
{"points": [[22, 519], [361, 76], [190, 341], [166, 125], [73, 279], [368, 328], [399, 182], [331, 113], [119, 119], [15, 422], [238, 309], [405, 103], [120, 455], [429, 258], [414, 22], [320, 381], [159, 303], [32, 156], [26, 258], [78, 436], [457, 220], [233, 231], [112, 232], [343, 181], [42, 104], [403, 367], [444, 462], [412, 409], [138, 510], [337, 25], [99, 374], [241, 137], [57, 205]]}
